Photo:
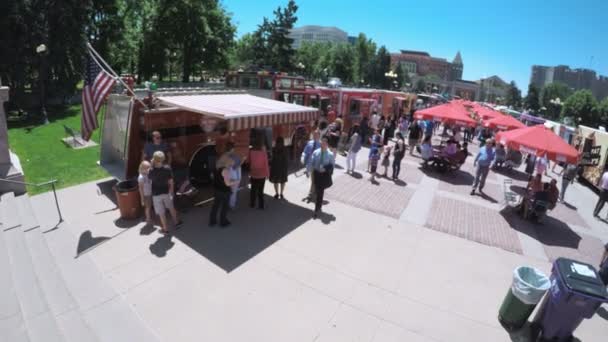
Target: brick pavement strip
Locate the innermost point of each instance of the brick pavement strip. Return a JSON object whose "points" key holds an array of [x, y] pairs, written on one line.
{"points": [[473, 223], [386, 198]]}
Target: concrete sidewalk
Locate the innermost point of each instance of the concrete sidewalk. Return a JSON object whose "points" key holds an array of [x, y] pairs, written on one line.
{"points": [[278, 275]]}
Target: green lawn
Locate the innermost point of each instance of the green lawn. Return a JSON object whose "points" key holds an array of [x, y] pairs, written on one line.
{"points": [[44, 156]]}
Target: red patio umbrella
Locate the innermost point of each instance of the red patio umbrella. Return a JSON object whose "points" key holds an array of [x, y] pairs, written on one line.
{"points": [[539, 140], [503, 123], [487, 113], [447, 113]]}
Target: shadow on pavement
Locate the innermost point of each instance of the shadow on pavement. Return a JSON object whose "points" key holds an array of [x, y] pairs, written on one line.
{"points": [[105, 189], [147, 229], [399, 182], [486, 197], [456, 177], [87, 241], [356, 175], [162, 245], [513, 174], [569, 206], [602, 312], [552, 232], [251, 231]]}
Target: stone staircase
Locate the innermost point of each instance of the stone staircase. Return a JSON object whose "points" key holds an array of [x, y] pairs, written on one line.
{"points": [[49, 294]]}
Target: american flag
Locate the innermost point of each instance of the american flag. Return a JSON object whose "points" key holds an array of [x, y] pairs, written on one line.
{"points": [[97, 84]]}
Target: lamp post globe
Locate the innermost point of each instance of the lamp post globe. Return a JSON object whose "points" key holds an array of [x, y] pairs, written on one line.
{"points": [[42, 51]]}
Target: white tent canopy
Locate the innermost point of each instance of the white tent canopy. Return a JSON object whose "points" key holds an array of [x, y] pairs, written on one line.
{"points": [[243, 111]]}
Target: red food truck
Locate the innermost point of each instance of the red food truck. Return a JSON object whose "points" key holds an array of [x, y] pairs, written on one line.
{"points": [[196, 126]]}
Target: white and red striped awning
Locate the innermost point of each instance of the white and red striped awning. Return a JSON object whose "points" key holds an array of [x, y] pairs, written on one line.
{"points": [[243, 111]]}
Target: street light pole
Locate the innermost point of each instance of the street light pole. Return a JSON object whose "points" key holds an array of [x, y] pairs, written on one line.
{"points": [[42, 51]]}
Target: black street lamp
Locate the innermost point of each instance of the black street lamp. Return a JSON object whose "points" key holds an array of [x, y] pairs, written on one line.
{"points": [[43, 52]]}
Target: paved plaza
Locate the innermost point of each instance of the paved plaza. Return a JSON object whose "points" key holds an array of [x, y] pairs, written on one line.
{"points": [[414, 260]]}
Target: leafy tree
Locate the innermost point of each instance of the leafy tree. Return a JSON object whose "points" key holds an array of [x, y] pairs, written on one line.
{"points": [[380, 66], [271, 41], [342, 62], [532, 99], [602, 110], [242, 53], [513, 97], [401, 76], [309, 55], [582, 104], [105, 26], [420, 85], [60, 26], [199, 31], [549, 96], [365, 50]]}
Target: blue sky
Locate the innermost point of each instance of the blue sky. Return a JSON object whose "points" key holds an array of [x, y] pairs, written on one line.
{"points": [[503, 38]]}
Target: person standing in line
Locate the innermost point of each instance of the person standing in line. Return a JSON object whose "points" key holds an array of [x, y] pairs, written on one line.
{"points": [[333, 134], [145, 189], [428, 128], [163, 189], [375, 142], [398, 155], [568, 176], [364, 129], [322, 165], [414, 136], [603, 196], [306, 159], [483, 161], [374, 157], [235, 173], [389, 131], [375, 120], [381, 124], [386, 160], [278, 167], [403, 125], [258, 172], [355, 143], [222, 189], [157, 144]]}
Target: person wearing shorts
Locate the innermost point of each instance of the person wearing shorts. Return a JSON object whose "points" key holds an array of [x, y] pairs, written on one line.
{"points": [[162, 191], [145, 189]]}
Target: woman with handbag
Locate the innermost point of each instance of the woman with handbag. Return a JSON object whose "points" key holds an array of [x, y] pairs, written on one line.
{"points": [[323, 168]]}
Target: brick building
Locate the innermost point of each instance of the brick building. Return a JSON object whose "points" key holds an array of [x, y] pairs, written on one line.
{"points": [[421, 63]]}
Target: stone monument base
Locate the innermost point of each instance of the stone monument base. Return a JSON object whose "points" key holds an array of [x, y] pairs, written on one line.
{"points": [[12, 172]]}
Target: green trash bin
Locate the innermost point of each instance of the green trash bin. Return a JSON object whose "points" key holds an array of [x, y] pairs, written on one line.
{"points": [[528, 287]]}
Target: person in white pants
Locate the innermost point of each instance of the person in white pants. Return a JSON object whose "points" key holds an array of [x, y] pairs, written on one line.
{"points": [[354, 147]]}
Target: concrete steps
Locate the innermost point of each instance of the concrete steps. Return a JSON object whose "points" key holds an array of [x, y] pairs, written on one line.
{"points": [[46, 292], [40, 325], [12, 327], [109, 317], [59, 300]]}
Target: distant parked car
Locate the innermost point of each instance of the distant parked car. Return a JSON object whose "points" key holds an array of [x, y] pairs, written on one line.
{"points": [[334, 82]]}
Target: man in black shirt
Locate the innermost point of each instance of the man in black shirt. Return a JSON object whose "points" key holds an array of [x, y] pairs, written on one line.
{"points": [[163, 189], [414, 136]]}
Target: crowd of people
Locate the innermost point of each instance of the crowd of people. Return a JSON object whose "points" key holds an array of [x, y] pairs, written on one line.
{"points": [[386, 138]]}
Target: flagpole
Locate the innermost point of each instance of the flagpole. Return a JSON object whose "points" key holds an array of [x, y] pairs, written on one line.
{"points": [[98, 59]]}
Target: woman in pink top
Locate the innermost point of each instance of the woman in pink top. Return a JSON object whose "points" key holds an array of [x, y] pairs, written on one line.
{"points": [[258, 172]]}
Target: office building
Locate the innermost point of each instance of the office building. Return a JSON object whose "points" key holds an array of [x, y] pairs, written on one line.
{"points": [[313, 33], [576, 79]]}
